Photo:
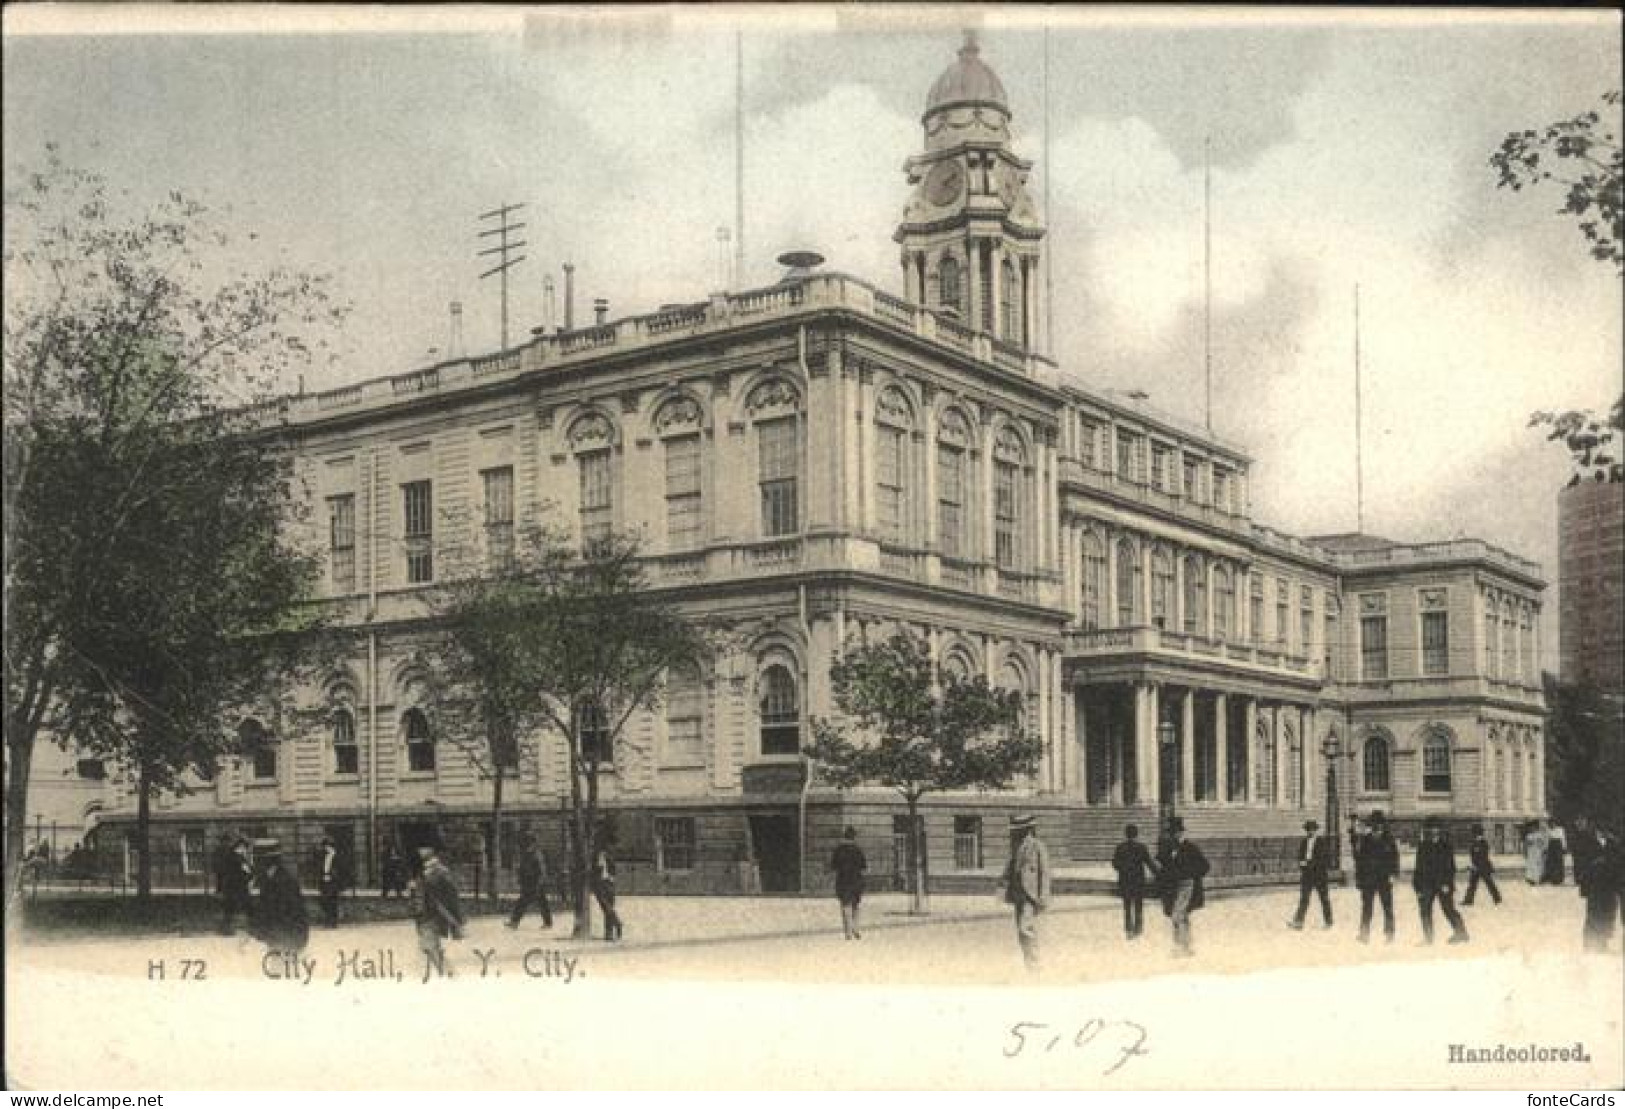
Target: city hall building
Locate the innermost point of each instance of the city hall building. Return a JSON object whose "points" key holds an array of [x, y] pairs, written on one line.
{"points": [[819, 462]]}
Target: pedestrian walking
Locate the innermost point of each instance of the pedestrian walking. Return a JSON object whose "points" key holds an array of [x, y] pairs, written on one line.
{"points": [[329, 880], [1135, 868], [532, 882], [1183, 867], [1027, 884], [1582, 846], [279, 920], [1376, 864], [603, 888], [1601, 884], [1534, 852], [1314, 865], [1556, 849], [392, 873], [1481, 868], [233, 882], [1434, 880], [437, 910], [849, 864]]}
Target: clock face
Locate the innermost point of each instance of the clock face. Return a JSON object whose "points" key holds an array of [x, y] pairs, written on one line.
{"points": [[944, 183]]}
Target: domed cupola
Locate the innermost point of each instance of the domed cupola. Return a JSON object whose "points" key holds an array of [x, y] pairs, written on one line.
{"points": [[970, 232], [967, 102]]}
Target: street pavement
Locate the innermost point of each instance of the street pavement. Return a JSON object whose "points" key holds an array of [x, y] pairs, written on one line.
{"points": [[918, 1001]]}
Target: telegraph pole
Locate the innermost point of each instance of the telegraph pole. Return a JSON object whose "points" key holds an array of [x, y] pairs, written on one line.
{"points": [[505, 248]]}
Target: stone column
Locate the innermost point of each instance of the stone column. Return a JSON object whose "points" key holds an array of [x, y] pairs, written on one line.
{"points": [[1280, 755], [1251, 781], [1221, 748], [1314, 774], [1077, 708], [1116, 741], [1146, 762], [1187, 747]]}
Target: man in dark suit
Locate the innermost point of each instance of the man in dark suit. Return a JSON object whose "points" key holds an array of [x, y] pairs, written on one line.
{"points": [[1314, 863], [1183, 867], [330, 880], [234, 879], [1435, 880], [280, 921], [1134, 866], [1481, 869], [1376, 862], [532, 882]]}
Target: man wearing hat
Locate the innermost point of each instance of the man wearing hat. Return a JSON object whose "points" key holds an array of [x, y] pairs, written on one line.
{"points": [[233, 881], [1434, 879], [280, 921], [1183, 867], [1027, 883], [1376, 863], [1480, 867], [1314, 862]]}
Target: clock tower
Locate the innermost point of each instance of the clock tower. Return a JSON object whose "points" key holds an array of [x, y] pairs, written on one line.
{"points": [[970, 233]]}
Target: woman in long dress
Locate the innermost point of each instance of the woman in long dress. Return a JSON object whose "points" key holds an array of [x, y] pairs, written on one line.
{"points": [[1534, 853], [1556, 848]]}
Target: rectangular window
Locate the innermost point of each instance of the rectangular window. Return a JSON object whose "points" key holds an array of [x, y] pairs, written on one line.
{"points": [[1221, 489], [684, 717], [1159, 467], [346, 755], [967, 843], [683, 491], [674, 842], [1088, 447], [1373, 647], [950, 500], [498, 484], [1435, 643], [418, 500], [1255, 610], [1004, 514], [889, 483], [341, 541], [1331, 643], [1282, 618], [1190, 479], [597, 501], [1126, 457], [1306, 626], [779, 471], [193, 850]]}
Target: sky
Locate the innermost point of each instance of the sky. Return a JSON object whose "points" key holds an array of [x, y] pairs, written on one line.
{"points": [[1346, 149]]}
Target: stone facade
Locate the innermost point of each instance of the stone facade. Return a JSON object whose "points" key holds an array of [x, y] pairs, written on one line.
{"points": [[821, 461]]}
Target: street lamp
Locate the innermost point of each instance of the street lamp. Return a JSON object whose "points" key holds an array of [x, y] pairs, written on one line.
{"points": [[1170, 761], [1331, 748]]}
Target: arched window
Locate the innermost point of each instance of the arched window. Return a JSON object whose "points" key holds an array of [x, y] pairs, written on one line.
{"points": [[780, 712], [1010, 303], [1009, 499], [1436, 762], [1374, 765], [894, 424], [956, 667], [953, 483], [256, 743], [419, 742], [1195, 595], [592, 439], [950, 292], [775, 407], [1094, 580], [1224, 602], [1129, 575], [346, 755], [1162, 588], [1013, 677], [679, 423]]}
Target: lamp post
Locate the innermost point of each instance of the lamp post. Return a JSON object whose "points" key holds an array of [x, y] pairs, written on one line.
{"points": [[1167, 741], [1331, 748]]}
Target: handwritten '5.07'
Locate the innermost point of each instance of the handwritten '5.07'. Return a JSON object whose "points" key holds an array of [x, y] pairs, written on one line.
{"points": [[1116, 1040]]}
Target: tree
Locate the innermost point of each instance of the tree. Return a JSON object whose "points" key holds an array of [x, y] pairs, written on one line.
{"points": [[1583, 154], [922, 731], [150, 577], [566, 640], [1592, 441], [1585, 753]]}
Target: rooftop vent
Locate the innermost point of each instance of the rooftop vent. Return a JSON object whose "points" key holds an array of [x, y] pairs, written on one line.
{"points": [[799, 264]]}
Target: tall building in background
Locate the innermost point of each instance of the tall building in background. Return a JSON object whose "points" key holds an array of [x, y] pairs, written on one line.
{"points": [[1591, 577]]}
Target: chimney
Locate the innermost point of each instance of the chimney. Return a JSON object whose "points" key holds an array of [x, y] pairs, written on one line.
{"points": [[455, 348], [600, 311], [549, 309], [569, 296], [799, 264]]}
